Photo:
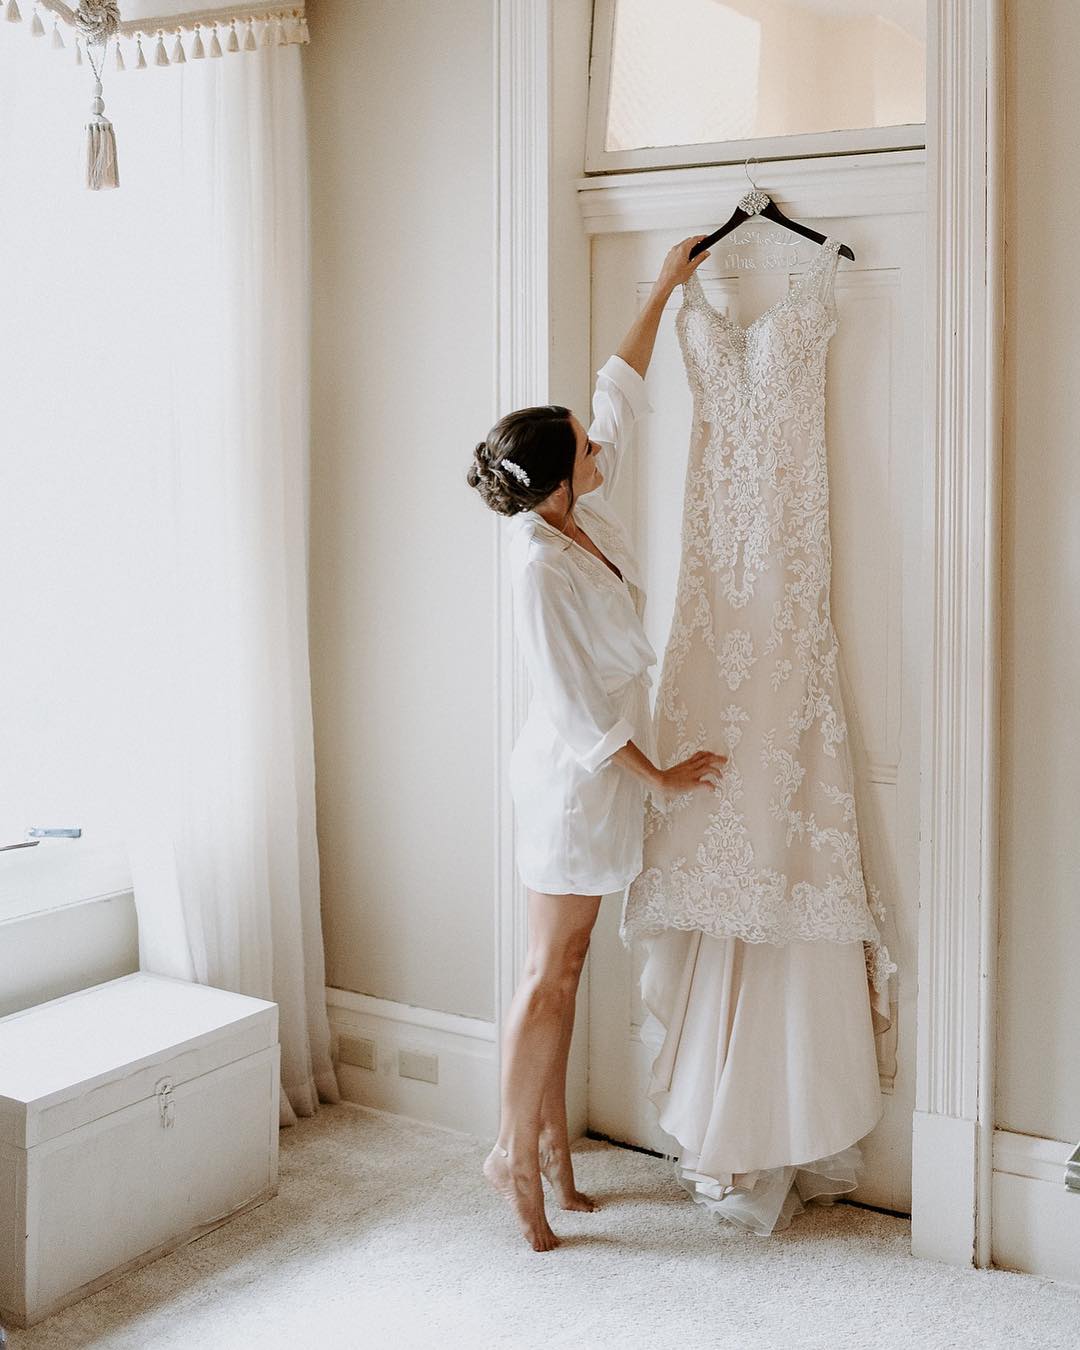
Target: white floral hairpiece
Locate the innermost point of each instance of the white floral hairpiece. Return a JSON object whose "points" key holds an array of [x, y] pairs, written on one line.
{"points": [[516, 469]]}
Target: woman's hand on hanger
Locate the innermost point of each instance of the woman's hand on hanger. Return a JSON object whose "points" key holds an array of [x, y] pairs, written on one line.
{"points": [[676, 269], [636, 348]]}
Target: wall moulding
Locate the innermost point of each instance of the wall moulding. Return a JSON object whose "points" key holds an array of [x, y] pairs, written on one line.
{"points": [[843, 185]]}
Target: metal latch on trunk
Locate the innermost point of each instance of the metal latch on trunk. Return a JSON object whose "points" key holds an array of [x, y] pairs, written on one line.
{"points": [[163, 1090]]}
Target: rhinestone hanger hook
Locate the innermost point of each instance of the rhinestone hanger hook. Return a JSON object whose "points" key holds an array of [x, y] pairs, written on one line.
{"points": [[755, 200]]}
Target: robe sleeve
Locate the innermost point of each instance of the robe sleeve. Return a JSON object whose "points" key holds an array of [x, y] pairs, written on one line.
{"points": [[554, 641], [619, 399]]}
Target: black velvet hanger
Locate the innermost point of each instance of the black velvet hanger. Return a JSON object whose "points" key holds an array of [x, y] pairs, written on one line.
{"points": [[759, 203]]}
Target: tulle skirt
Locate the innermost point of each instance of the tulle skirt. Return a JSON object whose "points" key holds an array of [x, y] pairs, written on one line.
{"points": [[764, 1070]]}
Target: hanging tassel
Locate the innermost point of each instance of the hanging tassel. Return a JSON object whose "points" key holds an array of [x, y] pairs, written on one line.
{"points": [[282, 40], [102, 170], [268, 33], [249, 39], [198, 51], [119, 56], [215, 45], [305, 36], [178, 56], [140, 60], [78, 52], [12, 12], [37, 28], [57, 40], [161, 56], [233, 44], [96, 26]]}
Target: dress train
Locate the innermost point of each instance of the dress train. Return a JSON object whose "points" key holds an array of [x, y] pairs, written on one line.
{"points": [[764, 1069]]}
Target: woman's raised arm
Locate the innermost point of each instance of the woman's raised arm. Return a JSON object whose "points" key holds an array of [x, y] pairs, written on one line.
{"points": [[636, 348]]}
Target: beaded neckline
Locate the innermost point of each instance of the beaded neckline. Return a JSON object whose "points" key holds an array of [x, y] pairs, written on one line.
{"points": [[693, 291]]}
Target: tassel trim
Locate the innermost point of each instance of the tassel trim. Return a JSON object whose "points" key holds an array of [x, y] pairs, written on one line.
{"points": [[272, 26]]}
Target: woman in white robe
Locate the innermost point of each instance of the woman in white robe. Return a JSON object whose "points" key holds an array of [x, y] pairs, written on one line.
{"points": [[585, 757]]}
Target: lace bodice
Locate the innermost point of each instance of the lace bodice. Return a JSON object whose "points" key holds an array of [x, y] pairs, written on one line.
{"points": [[750, 669], [760, 383]]}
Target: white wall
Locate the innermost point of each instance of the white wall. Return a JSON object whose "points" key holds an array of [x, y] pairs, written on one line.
{"points": [[1038, 1090], [400, 107]]}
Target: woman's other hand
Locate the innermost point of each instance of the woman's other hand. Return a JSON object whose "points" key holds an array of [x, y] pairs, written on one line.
{"points": [[700, 770], [676, 269]]}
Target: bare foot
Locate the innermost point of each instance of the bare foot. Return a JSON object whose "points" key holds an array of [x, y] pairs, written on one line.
{"points": [[526, 1196], [556, 1165]]}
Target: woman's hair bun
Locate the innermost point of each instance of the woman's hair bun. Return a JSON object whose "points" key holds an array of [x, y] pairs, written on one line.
{"points": [[540, 441], [495, 485]]}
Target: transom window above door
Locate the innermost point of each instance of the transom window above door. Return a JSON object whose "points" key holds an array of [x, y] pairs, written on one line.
{"points": [[677, 82]]}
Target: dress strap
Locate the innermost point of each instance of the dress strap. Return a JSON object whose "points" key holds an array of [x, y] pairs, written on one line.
{"points": [[691, 289], [820, 276]]}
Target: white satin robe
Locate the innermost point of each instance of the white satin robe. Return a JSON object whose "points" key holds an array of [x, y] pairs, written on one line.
{"points": [[578, 817]]}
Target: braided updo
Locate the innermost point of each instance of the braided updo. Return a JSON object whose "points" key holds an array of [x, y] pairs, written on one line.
{"points": [[541, 442]]}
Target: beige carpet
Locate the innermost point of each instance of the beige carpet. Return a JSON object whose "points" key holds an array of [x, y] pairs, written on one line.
{"points": [[385, 1233]]}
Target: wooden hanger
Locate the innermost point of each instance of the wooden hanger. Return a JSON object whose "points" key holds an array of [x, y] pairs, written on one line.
{"points": [[759, 203]]}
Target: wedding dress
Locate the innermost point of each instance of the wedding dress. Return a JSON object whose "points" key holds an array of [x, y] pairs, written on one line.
{"points": [[765, 978]]}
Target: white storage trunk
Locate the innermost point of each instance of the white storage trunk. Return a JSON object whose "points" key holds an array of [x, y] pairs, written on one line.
{"points": [[134, 1116]]}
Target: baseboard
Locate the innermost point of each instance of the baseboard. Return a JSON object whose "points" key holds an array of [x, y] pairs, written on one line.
{"points": [[1036, 1219], [464, 1098]]}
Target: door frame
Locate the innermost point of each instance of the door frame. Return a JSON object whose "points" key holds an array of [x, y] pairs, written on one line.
{"points": [[952, 1125]]}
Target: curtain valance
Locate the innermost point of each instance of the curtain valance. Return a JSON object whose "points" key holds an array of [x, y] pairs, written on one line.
{"points": [[173, 31], [194, 30]]}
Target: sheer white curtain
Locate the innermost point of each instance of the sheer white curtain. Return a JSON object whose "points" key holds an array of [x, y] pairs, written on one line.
{"points": [[153, 511]]}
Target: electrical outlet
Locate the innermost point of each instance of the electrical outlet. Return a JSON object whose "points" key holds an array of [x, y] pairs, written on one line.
{"points": [[356, 1050], [412, 1064]]}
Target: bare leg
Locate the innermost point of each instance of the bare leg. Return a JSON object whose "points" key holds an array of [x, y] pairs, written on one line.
{"points": [[555, 1161], [559, 929]]}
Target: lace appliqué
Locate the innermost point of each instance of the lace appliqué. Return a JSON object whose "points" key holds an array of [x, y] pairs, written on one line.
{"points": [[756, 565]]}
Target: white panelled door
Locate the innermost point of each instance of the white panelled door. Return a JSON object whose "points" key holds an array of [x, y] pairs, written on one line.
{"points": [[875, 436]]}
